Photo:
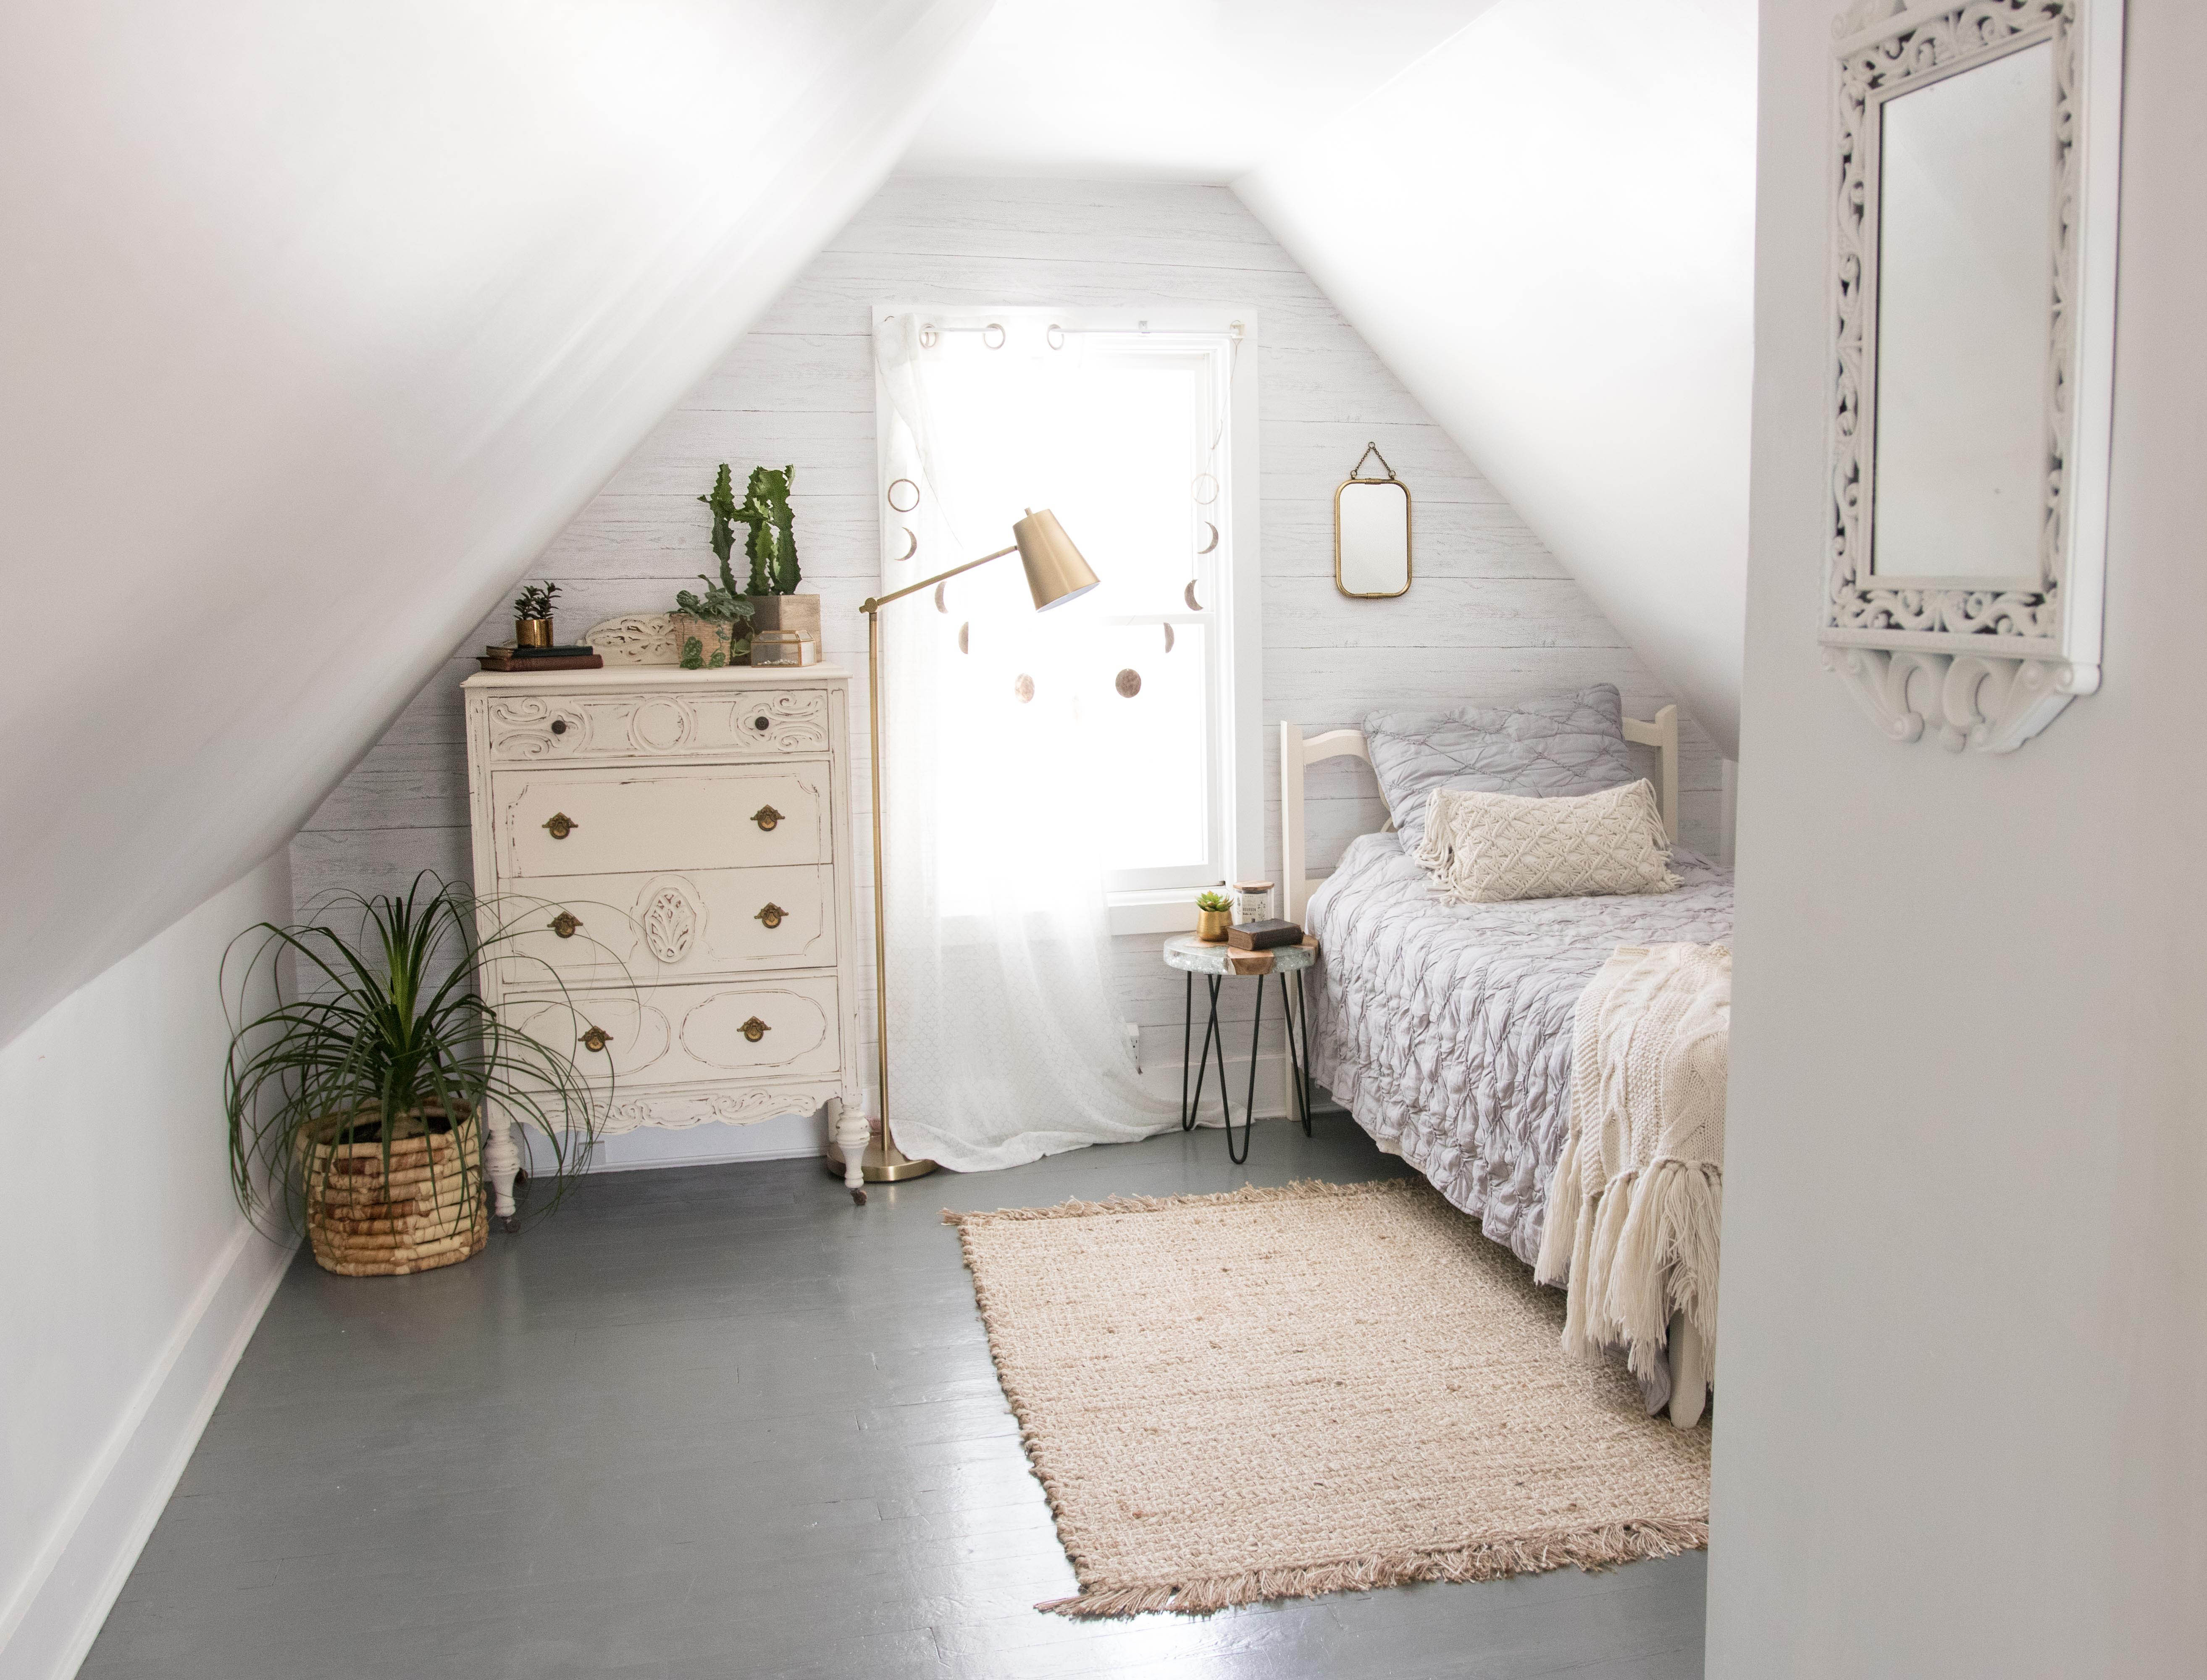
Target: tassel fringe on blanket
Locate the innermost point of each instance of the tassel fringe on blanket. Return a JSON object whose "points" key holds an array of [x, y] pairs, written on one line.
{"points": [[1634, 1212]]}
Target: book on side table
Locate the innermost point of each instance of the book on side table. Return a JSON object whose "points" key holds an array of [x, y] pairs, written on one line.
{"points": [[1262, 935]]}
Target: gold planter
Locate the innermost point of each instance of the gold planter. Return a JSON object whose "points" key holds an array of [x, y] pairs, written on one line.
{"points": [[532, 632], [1210, 925]]}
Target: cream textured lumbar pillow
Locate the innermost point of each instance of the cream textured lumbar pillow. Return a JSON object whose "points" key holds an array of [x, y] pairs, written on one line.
{"points": [[1481, 848]]}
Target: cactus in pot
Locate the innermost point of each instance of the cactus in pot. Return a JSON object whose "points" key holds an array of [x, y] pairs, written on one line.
{"points": [[770, 542]]}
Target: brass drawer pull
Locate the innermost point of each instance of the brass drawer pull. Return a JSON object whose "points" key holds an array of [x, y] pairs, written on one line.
{"points": [[766, 816], [771, 915], [559, 726], [561, 825], [595, 1039], [565, 924], [754, 1028]]}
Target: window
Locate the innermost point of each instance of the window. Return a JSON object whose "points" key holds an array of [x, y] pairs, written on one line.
{"points": [[1138, 437]]}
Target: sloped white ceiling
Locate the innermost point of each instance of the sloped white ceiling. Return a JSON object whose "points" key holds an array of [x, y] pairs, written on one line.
{"points": [[1164, 90], [317, 320], [1546, 228]]}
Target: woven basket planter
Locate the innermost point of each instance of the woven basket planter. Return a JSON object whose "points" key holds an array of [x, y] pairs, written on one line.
{"points": [[427, 1212]]}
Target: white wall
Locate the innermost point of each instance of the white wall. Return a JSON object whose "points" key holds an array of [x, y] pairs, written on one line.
{"points": [[1964, 1313], [1545, 227], [318, 321], [133, 1282], [1491, 616]]}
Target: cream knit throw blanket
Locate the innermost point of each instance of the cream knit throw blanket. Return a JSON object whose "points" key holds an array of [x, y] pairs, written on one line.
{"points": [[1632, 1215]]}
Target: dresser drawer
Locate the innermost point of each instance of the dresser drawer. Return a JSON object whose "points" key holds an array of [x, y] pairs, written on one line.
{"points": [[583, 728], [597, 929], [569, 823], [658, 1035]]}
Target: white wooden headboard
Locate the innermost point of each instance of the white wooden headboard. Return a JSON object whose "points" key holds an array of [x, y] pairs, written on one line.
{"points": [[1298, 750]]}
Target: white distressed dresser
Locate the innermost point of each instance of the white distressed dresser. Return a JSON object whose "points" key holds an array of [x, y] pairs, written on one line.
{"points": [[675, 847]]}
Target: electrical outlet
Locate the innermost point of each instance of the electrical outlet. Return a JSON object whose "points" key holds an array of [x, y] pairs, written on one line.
{"points": [[1134, 1042]]}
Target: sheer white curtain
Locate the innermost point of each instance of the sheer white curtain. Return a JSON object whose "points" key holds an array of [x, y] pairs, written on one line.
{"points": [[1004, 1043]]}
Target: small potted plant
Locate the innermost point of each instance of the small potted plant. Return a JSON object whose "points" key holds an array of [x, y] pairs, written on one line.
{"points": [[770, 542], [1214, 914], [713, 628], [355, 1105], [532, 614]]}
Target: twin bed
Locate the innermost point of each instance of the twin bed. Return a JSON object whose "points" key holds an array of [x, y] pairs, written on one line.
{"points": [[1445, 1029]]}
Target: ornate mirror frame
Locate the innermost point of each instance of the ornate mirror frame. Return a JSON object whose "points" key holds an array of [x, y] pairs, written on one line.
{"points": [[1987, 666]]}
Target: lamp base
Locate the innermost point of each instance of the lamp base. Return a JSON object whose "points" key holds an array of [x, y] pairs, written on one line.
{"points": [[892, 1167]]}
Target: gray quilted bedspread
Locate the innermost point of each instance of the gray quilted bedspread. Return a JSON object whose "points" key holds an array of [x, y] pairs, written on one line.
{"points": [[1446, 1029]]}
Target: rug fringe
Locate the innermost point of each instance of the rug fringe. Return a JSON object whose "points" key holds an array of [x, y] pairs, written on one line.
{"points": [[1301, 1189], [1591, 1548]]}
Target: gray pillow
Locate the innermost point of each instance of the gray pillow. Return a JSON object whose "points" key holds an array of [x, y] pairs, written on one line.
{"points": [[1552, 745]]}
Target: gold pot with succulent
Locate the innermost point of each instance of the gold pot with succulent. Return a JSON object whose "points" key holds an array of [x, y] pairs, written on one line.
{"points": [[1214, 914], [532, 614]]}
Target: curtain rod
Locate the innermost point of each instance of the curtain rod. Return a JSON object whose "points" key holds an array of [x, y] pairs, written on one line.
{"points": [[1056, 335]]}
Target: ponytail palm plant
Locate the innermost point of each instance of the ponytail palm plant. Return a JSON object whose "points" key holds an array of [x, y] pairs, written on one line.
{"points": [[379, 1036]]}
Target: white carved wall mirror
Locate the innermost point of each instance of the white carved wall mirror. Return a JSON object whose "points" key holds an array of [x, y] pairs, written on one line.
{"points": [[1974, 252], [1372, 532]]}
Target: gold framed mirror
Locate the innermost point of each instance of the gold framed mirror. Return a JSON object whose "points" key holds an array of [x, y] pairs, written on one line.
{"points": [[1372, 532]]}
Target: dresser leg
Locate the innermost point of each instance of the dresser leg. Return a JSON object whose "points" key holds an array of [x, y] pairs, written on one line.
{"points": [[846, 1124], [501, 1161]]}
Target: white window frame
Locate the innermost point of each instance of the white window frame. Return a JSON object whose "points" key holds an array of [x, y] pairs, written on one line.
{"points": [[1238, 577]]}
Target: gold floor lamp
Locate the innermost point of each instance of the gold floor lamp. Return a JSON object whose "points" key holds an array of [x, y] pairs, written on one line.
{"points": [[1056, 574]]}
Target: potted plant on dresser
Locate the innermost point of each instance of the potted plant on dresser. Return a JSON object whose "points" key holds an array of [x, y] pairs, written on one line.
{"points": [[532, 614], [355, 1104], [770, 542], [714, 629]]}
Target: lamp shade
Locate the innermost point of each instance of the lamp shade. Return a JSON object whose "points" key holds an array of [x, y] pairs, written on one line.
{"points": [[1056, 571]]}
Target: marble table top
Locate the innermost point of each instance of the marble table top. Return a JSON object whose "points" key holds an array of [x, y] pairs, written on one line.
{"points": [[1201, 957]]}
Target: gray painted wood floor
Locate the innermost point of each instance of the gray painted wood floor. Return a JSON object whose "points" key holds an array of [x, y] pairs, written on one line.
{"points": [[715, 1422]]}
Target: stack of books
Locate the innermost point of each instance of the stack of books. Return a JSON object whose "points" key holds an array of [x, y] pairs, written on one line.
{"points": [[1262, 936], [505, 656]]}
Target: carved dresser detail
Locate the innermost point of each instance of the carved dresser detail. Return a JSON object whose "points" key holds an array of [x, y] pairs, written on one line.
{"points": [[671, 850]]}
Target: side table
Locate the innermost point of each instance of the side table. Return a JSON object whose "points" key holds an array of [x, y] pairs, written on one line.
{"points": [[1193, 956]]}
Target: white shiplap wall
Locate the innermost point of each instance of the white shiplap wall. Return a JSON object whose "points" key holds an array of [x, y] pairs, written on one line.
{"points": [[1491, 616]]}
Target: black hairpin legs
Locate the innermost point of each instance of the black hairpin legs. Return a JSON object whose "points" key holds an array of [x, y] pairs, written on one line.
{"points": [[1249, 1102], [1298, 1066], [1214, 1044], [1211, 1030], [1186, 1028]]}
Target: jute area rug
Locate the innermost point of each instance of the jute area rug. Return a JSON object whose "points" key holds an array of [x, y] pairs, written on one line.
{"points": [[1280, 1392]]}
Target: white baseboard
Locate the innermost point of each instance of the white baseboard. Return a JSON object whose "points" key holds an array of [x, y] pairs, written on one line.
{"points": [[1162, 1079], [57, 1613], [784, 1138], [800, 1136]]}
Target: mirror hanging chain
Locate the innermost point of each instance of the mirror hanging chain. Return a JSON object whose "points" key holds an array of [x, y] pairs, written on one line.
{"points": [[1372, 452]]}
